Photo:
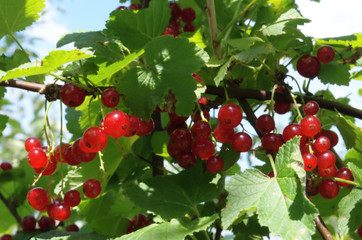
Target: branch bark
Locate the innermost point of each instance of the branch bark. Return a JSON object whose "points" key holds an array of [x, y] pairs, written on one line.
{"points": [[157, 161], [211, 17], [323, 230], [12, 208]]}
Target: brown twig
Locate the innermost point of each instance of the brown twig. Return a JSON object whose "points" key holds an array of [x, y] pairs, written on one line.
{"points": [[323, 230], [12, 208], [211, 17], [157, 161], [249, 114], [144, 3]]}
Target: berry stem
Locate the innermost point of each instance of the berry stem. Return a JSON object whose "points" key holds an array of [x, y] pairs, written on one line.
{"points": [[101, 167], [211, 17], [272, 101], [343, 180], [299, 117], [272, 164], [20, 46], [46, 123], [60, 148]]}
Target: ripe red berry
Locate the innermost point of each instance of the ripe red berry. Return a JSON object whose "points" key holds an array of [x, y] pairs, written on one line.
{"points": [[38, 198], [134, 7], [265, 123], [186, 160], [6, 237], [200, 129], [72, 198], [57, 152], [196, 116], [45, 223], [70, 158], [359, 231], [71, 95], [332, 136], [282, 107], [171, 126], [230, 115], [28, 223], [310, 161], [311, 108], [203, 148], [322, 144], [326, 159], [92, 188], [32, 143], [176, 119], [116, 123], [140, 221], [310, 125], [291, 131], [171, 31], [223, 135], [181, 138], [174, 151], [145, 127], [48, 169], [271, 174], [188, 15], [346, 174], [110, 98], [325, 54], [80, 154], [72, 228], [175, 11], [214, 164], [134, 125], [95, 139], [329, 171], [5, 166], [328, 189], [189, 27], [37, 158], [59, 211], [241, 142], [308, 66], [271, 142]]}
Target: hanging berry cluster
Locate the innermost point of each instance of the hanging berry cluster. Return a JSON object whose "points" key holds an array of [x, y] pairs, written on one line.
{"points": [[187, 16]]}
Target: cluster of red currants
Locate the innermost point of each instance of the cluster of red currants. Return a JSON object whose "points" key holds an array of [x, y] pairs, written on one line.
{"points": [[132, 7], [5, 166], [309, 65], [186, 145], [139, 221], [6, 237], [187, 15], [28, 224], [314, 147]]}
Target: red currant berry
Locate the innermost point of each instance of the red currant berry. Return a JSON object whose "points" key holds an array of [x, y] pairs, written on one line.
{"points": [[186, 160], [48, 169], [171, 126], [38, 198], [230, 115], [271, 174], [145, 127], [45, 223], [307, 148], [329, 171], [310, 125], [110, 98], [291, 131], [311, 108], [223, 135], [200, 129], [203, 148], [308, 66], [6, 237], [72, 198], [28, 223], [332, 136], [201, 100], [359, 231], [116, 123], [322, 144], [174, 151], [5, 166], [70, 158], [80, 154], [188, 15], [328, 189], [72, 228], [92, 188], [197, 117], [59, 211], [326, 159], [310, 161], [37, 158], [271, 142], [176, 119], [175, 11], [71, 95], [265, 123], [325, 54], [181, 138], [95, 139], [134, 125], [57, 152], [346, 174], [140, 221], [189, 27], [282, 107], [241, 142], [214, 164], [32, 143], [134, 7], [171, 31]]}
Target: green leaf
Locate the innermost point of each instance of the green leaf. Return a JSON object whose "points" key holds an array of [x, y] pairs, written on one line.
{"points": [[349, 214], [244, 43], [136, 28], [108, 71], [175, 195], [15, 15], [354, 41], [72, 117], [353, 156], [57, 235], [50, 63], [254, 52], [169, 63], [288, 20], [81, 37], [327, 207], [356, 171], [159, 143], [222, 72], [173, 230], [352, 135], [278, 200], [334, 73], [3, 120]]}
